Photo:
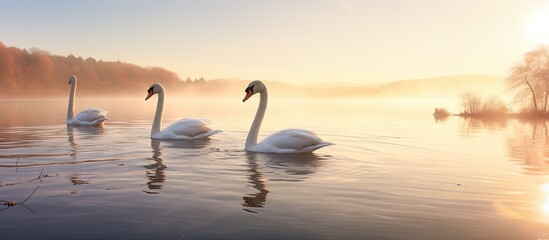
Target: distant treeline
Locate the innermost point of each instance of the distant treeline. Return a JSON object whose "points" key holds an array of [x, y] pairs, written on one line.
{"points": [[449, 87], [38, 73]]}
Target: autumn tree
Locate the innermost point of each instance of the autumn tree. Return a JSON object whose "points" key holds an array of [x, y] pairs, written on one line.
{"points": [[7, 69], [39, 73], [41, 69]]}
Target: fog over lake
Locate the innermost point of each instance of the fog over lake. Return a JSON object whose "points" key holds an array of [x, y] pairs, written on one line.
{"points": [[393, 173]]}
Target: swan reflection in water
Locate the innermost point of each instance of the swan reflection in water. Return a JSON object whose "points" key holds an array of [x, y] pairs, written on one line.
{"points": [[287, 167], [85, 132], [155, 171]]}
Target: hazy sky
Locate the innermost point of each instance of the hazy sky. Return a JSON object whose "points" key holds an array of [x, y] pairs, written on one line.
{"points": [[294, 41]]}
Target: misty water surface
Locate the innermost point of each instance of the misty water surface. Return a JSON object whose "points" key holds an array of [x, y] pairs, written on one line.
{"points": [[394, 173]]}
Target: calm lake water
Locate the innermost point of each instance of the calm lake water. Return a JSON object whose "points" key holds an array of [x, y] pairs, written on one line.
{"points": [[394, 173]]}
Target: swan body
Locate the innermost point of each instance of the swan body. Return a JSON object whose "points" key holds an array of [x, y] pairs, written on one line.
{"points": [[289, 141], [183, 129], [88, 117], [285, 141]]}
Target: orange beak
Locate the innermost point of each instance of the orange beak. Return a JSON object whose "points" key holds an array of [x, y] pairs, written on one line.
{"points": [[248, 95], [149, 95]]}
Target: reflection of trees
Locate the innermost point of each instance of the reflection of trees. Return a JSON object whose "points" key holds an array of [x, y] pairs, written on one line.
{"points": [[475, 124], [287, 167], [440, 118], [530, 145]]}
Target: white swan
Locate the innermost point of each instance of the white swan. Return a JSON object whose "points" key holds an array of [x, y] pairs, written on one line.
{"points": [[284, 141], [88, 117], [183, 129]]}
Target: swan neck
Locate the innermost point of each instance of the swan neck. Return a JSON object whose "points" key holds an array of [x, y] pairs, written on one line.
{"points": [[251, 140], [157, 123], [70, 110]]}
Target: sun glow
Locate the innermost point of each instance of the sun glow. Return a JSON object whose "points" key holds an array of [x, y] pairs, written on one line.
{"points": [[539, 26]]}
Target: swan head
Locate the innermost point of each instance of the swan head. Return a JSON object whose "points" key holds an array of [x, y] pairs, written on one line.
{"points": [[254, 87], [72, 79], [154, 89]]}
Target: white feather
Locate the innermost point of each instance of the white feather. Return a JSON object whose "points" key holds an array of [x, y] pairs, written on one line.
{"points": [[89, 117], [290, 141], [186, 129]]}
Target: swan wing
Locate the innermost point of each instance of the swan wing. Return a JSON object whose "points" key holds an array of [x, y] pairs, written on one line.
{"points": [[90, 116], [292, 141], [188, 128]]}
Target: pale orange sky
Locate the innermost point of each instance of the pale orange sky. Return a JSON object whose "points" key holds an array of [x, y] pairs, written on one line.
{"points": [[294, 41]]}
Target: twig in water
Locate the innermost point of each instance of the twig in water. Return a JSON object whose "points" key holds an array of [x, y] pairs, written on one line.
{"points": [[40, 176], [17, 162], [9, 204]]}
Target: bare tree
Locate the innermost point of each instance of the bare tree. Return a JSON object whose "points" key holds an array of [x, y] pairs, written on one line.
{"points": [[530, 79], [493, 105], [471, 103], [538, 60]]}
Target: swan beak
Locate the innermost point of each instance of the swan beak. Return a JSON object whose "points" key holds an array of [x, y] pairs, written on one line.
{"points": [[149, 95], [249, 93]]}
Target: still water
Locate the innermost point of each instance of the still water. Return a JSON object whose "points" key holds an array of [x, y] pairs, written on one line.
{"points": [[394, 173]]}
